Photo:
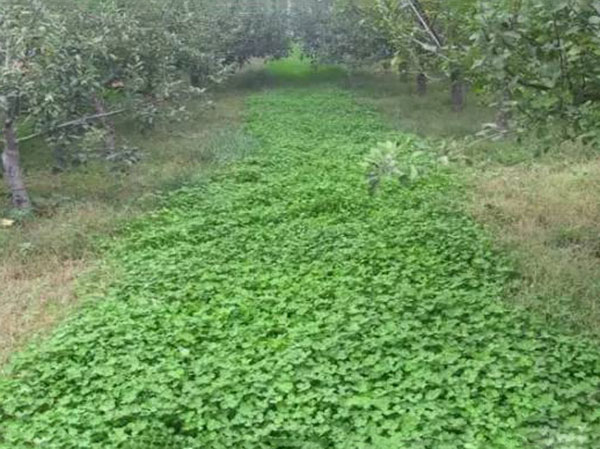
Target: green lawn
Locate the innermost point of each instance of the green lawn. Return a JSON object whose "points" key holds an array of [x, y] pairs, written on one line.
{"points": [[279, 305]]}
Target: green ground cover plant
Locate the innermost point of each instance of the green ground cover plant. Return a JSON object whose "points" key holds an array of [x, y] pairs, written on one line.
{"points": [[282, 304], [42, 254]]}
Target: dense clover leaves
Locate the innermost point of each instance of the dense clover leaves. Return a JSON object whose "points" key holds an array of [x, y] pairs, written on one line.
{"points": [[282, 306]]}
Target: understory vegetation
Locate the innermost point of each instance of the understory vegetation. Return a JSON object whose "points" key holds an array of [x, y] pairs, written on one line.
{"points": [[40, 257], [537, 200], [281, 303], [278, 224]]}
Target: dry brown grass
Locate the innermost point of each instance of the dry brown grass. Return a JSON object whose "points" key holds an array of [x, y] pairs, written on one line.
{"points": [[548, 214], [42, 257], [39, 297]]}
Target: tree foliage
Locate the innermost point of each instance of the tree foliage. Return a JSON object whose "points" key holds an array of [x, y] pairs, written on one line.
{"points": [[538, 62], [546, 58], [339, 31], [67, 66]]}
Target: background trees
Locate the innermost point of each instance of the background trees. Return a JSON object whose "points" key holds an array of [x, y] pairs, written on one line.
{"points": [[30, 38], [537, 62], [68, 67], [339, 31]]}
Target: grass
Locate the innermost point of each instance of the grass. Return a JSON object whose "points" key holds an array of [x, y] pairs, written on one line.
{"points": [[429, 116], [539, 200], [41, 256], [281, 305], [548, 215], [294, 71]]}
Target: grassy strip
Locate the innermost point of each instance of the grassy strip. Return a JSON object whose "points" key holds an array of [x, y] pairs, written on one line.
{"points": [[282, 306], [42, 255], [537, 198], [548, 215]]}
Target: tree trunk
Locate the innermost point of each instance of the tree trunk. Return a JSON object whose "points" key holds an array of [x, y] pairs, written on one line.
{"points": [[13, 176], [503, 115], [60, 158], [421, 84], [403, 72], [458, 91], [502, 120], [110, 138], [198, 76], [195, 77]]}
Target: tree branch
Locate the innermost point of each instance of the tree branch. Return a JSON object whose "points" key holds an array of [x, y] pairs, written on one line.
{"points": [[531, 85], [78, 122], [425, 23]]}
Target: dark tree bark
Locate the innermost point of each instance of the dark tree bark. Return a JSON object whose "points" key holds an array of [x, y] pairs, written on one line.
{"points": [[502, 121], [421, 84], [195, 78], [13, 175], [60, 158], [458, 91], [503, 115], [198, 76], [110, 139]]}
